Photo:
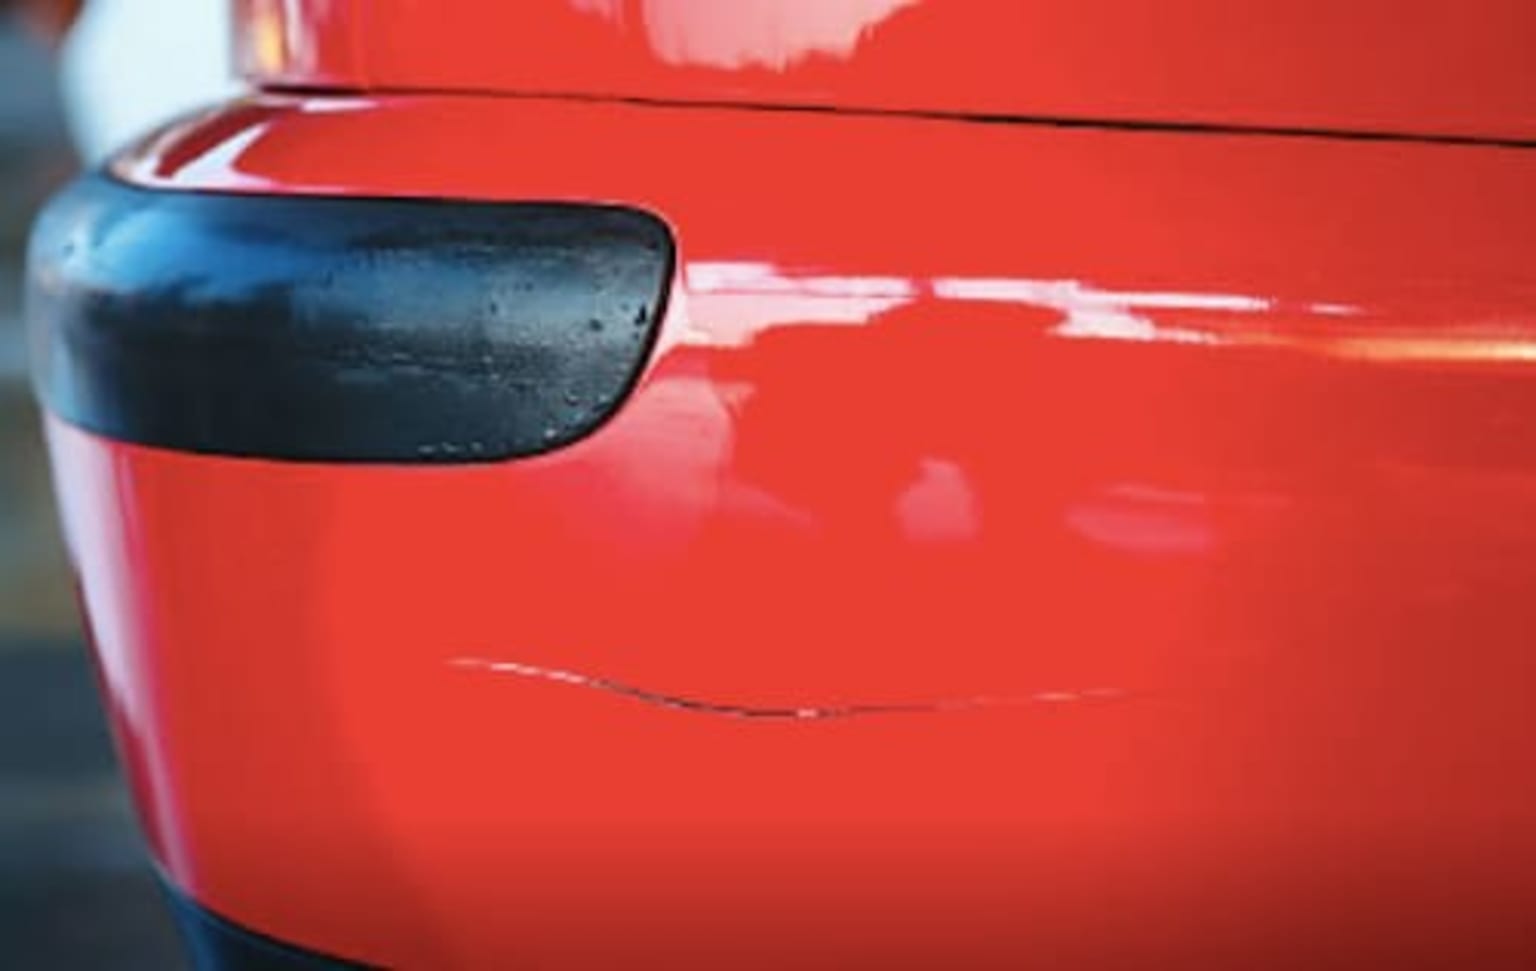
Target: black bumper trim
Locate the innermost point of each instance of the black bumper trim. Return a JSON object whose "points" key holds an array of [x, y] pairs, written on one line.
{"points": [[340, 328]]}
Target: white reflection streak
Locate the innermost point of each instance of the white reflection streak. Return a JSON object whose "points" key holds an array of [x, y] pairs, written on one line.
{"points": [[1121, 326], [708, 277], [1333, 310], [772, 34], [221, 164], [743, 298], [1087, 312], [1101, 314], [1068, 295]]}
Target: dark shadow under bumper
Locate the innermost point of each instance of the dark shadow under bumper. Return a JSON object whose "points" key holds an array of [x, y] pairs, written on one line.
{"points": [[216, 944]]}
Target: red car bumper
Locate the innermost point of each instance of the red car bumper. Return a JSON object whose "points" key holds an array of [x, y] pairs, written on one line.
{"points": [[1022, 541]]}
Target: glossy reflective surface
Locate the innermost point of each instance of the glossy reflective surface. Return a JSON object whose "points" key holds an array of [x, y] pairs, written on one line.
{"points": [[1448, 67], [1106, 545]]}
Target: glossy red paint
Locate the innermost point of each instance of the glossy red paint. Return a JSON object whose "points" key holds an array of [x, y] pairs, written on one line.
{"points": [[1453, 67], [1186, 482]]}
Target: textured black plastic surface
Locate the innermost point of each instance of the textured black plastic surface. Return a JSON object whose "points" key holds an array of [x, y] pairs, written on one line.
{"points": [[340, 329], [216, 944]]}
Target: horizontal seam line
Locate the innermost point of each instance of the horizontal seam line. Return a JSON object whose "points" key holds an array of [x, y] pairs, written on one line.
{"points": [[924, 114]]}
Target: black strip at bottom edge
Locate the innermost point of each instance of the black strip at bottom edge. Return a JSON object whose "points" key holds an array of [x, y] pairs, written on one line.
{"points": [[216, 944]]}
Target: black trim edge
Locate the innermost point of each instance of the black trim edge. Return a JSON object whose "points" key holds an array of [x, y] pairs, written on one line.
{"points": [[345, 329], [216, 944]]}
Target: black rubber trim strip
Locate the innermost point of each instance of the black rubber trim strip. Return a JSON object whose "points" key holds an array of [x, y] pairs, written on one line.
{"points": [[1237, 129], [340, 329], [216, 944]]}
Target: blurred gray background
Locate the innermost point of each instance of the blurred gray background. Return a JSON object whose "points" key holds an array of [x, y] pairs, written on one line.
{"points": [[75, 886]]}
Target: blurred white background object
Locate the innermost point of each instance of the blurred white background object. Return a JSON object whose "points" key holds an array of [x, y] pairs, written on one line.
{"points": [[130, 65]]}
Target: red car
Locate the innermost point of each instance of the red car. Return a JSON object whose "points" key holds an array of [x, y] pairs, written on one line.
{"points": [[821, 483]]}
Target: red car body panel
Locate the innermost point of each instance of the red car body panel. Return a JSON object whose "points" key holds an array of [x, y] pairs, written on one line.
{"points": [[1104, 545], [1435, 67]]}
